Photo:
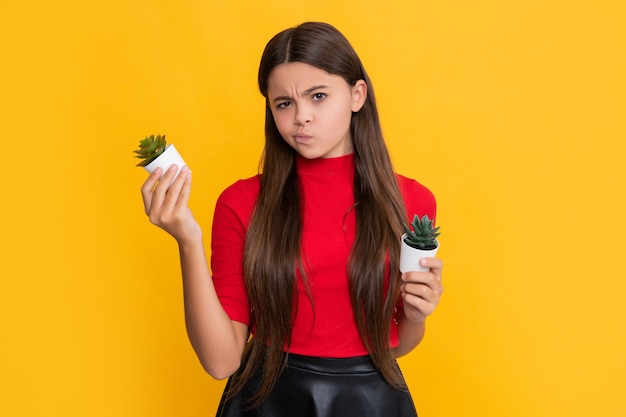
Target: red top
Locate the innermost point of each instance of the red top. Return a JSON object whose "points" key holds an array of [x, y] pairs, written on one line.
{"points": [[328, 234]]}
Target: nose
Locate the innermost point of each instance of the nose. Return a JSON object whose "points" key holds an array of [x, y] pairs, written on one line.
{"points": [[303, 116]]}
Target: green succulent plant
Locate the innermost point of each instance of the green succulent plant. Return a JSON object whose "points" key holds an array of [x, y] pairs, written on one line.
{"points": [[150, 148], [423, 236]]}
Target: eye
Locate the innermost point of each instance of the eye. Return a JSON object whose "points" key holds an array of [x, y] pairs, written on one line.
{"points": [[283, 105], [319, 96]]}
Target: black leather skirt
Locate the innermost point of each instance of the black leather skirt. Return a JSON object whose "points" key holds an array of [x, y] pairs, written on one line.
{"points": [[323, 387]]}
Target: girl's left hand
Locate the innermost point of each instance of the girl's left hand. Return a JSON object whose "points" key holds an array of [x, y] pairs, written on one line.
{"points": [[421, 291]]}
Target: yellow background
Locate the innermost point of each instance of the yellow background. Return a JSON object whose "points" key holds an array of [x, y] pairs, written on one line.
{"points": [[512, 112]]}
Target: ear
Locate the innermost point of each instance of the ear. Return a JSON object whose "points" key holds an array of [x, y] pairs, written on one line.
{"points": [[359, 94]]}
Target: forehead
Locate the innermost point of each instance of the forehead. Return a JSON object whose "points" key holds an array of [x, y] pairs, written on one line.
{"points": [[298, 76]]}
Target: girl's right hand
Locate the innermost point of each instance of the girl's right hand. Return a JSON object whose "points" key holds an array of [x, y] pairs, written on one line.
{"points": [[166, 203]]}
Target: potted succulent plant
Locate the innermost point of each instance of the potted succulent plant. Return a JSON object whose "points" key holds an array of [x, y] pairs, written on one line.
{"points": [[418, 242], [155, 152]]}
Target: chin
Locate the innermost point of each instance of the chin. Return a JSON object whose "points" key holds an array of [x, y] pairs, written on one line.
{"points": [[308, 153]]}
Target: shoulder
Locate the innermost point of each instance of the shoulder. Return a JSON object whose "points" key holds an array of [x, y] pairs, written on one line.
{"points": [[242, 192], [238, 200], [418, 199]]}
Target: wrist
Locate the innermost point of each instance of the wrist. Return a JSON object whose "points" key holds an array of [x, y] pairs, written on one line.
{"points": [[412, 320], [191, 243]]}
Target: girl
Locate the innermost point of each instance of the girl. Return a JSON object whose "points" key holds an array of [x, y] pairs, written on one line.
{"points": [[305, 255]]}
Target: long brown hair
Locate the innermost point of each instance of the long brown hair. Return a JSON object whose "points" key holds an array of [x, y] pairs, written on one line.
{"points": [[272, 254]]}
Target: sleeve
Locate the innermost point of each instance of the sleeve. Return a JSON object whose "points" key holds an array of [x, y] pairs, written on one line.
{"points": [[417, 198], [230, 222]]}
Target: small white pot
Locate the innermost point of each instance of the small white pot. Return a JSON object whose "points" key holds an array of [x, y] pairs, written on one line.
{"points": [[169, 156], [410, 257]]}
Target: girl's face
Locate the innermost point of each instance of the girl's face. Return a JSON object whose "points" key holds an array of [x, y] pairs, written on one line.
{"points": [[312, 109]]}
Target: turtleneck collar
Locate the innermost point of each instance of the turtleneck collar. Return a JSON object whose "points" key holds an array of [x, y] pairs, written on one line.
{"points": [[340, 164]]}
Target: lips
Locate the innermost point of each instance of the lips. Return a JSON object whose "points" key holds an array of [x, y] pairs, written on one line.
{"points": [[301, 137]]}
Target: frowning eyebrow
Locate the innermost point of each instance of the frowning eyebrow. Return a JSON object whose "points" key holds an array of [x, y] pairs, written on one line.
{"points": [[304, 93]]}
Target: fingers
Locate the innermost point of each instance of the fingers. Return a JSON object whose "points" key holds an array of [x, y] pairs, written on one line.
{"points": [[435, 265], [159, 192], [431, 278], [183, 199], [419, 300], [148, 187], [163, 194], [422, 290], [173, 196], [166, 200], [425, 307]]}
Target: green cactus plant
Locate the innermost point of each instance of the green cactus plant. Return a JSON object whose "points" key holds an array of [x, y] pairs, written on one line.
{"points": [[150, 148], [423, 236]]}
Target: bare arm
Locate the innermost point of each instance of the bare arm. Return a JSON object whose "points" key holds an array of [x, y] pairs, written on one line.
{"points": [[421, 292], [217, 340], [410, 335]]}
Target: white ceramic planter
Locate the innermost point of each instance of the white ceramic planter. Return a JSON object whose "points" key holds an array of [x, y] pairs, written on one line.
{"points": [[168, 157], [410, 257]]}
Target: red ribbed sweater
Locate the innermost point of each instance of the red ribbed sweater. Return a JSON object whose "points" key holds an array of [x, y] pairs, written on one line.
{"points": [[328, 234]]}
